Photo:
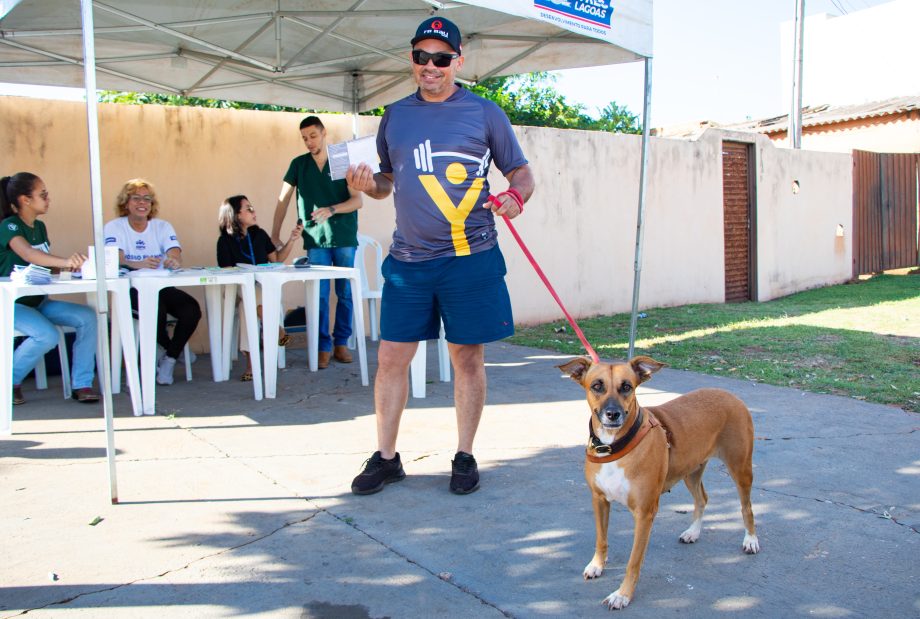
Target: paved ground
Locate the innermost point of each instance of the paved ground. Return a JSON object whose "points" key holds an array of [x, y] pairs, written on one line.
{"points": [[230, 507]]}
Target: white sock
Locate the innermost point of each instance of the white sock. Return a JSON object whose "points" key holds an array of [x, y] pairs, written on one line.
{"points": [[165, 370]]}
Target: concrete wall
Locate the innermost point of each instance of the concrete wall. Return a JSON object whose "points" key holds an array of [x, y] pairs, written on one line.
{"points": [[802, 197], [580, 224]]}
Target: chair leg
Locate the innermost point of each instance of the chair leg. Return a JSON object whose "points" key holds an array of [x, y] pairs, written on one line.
{"points": [[41, 374], [443, 358], [372, 318], [65, 364], [188, 363], [417, 370]]}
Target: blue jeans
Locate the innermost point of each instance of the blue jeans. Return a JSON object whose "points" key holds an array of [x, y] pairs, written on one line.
{"points": [[38, 324], [344, 309]]}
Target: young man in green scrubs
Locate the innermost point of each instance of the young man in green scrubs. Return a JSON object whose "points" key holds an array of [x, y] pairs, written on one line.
{"points": [[329, 210]]}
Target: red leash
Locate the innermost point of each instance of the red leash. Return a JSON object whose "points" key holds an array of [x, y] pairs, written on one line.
{"points": [[517, 237]]}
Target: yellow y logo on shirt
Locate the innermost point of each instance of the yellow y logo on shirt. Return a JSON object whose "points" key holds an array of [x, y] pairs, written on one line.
{"points": [[455, 214]]}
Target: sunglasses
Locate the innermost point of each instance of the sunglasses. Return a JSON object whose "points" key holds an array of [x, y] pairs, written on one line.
{"points": [[137, 198], [251, 209], [440, 59]]}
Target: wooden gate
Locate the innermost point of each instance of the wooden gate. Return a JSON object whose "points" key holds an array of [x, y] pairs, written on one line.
{"points": [[884, 211], [737, 205]]}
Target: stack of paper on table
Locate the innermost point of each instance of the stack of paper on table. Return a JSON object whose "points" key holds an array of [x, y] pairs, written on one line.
{"points": [[31, 274]]}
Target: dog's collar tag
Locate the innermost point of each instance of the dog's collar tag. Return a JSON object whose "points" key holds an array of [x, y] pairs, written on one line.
{"points": [[623, 445]]}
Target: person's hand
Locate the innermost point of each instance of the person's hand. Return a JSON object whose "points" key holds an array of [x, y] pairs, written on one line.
{"points": [[322, 215], [507, 206], [295, 233], [151, 262], [172, 263], [76, 261], [361, 178]]}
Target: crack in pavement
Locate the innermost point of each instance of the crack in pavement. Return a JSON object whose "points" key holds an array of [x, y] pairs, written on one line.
{"points": [[836, 436], [169, 571], [883, 515]]}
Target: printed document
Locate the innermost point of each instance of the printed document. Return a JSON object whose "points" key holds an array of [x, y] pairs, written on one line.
{"points": [[352, 152]]}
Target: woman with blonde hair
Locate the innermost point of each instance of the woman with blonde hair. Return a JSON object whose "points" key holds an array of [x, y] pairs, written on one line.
{"points": [[145, 242]]}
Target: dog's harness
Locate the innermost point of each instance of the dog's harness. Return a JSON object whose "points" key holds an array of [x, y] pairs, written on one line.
{"points": [[599, 452]]}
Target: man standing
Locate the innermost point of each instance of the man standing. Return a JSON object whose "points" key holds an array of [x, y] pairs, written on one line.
{"points": [[329, 210], [435, 148]]}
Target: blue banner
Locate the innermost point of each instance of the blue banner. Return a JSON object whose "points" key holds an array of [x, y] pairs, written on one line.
{"points": [[598, 12]]}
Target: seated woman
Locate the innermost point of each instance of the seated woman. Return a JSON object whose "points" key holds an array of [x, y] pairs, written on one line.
{"points": [[147, 243], [24, 241], [242, 240]]}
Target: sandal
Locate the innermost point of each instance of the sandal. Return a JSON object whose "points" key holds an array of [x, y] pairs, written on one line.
{"points": [[246, 376], [284, 339]]}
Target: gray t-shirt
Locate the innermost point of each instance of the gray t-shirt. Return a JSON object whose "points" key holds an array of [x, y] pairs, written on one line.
{"points": [[439, 155]]}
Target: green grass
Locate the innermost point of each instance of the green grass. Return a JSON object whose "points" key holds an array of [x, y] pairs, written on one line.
{"points": [[860, 340]]}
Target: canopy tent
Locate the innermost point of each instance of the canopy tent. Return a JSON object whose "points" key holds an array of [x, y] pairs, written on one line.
{"points": [[335, 55], [344, 56]]}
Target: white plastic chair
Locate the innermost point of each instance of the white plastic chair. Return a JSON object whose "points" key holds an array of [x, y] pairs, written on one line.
{"points": [[41, 374], [418, 366], [371, 295]]}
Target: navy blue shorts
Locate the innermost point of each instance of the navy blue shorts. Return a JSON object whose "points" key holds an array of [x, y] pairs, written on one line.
{"points": [[467, 292]]}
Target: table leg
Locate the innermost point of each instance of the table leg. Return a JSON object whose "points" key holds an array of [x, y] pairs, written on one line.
{"points": [[358, 329], [116, 350], [123, 328], [148, 304], [271, 313], [6, 364], [311, 307], [212, 301], [229, 311], [252, 332]]}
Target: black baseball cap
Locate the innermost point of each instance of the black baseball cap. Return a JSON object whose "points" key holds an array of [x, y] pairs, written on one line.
{"points": [[439, 28]]}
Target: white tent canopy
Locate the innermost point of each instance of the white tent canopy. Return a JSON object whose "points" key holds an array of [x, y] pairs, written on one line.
{"points": [[346, 56], [335, 55]]}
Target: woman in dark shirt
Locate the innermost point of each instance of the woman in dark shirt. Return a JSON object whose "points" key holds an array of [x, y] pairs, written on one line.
{"points": [[243, 241]]}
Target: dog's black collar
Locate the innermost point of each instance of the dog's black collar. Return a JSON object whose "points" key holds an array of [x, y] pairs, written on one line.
{"points": [[602, 449]]}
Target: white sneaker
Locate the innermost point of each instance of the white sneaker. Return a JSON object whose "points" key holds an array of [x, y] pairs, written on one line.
{"points": [[165, 370], [192, 357], [161, 352]]}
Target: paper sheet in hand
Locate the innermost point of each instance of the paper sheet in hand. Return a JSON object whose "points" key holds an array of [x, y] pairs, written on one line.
{"points": [[352, 152]]}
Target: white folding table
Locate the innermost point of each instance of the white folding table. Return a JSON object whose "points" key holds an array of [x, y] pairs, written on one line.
{"points": [[272, 283], [10, 291]]}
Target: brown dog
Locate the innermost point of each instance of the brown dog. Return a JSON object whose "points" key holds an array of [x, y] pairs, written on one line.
{"points": [[635, 454]]}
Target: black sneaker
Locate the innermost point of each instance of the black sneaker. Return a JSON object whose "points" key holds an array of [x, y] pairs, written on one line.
{"points": [[464, 474], [377, 473]]}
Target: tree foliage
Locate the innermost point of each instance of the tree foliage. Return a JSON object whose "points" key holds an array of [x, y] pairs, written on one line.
{"points": [[142, 98], [532, 99], [529, 99]]}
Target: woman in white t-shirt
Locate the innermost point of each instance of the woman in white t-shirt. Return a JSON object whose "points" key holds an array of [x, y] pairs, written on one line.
{"points": [[145, 242]]}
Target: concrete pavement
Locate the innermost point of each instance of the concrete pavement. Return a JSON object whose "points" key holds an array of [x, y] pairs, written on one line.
{"points": [[230, 507]]}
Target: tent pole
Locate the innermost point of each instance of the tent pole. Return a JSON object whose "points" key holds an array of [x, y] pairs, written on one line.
{"points": [[354, 105], [643, 177], [102, 297]]}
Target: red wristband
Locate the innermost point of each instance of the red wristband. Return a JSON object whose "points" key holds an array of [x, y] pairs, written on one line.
{"points": [[516, 196]]}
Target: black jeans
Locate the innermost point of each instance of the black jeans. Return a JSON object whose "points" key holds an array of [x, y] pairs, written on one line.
{"points": [[184, 308]]}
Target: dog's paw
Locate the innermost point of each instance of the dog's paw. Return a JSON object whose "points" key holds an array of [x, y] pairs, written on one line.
{"points": [[692, 533], [616, 600], [593, 571], [751, 545]]}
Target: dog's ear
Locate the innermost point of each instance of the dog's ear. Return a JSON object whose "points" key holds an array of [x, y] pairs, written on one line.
{"points": [[576, 368], [644, 367]]}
